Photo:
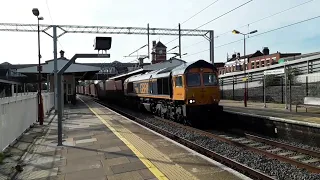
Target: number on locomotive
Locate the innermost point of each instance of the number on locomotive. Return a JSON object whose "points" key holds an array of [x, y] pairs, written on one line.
{"points": [[144, 88]]}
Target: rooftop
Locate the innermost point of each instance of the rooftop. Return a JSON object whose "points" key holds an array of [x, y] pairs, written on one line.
{"points": [[160, 45]]}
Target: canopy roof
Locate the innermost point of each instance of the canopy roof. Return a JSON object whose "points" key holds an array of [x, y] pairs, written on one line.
{"points": [[48, 67]]}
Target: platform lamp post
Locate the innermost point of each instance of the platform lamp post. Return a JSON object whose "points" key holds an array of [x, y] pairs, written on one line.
{"points": [[245, 96], [35, 12]]}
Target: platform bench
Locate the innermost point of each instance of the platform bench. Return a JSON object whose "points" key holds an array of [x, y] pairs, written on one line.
{"points": [[311, 102]]}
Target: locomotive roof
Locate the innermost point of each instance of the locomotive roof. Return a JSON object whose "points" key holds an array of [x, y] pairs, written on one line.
{"points": [[126, 74], [161, 73], [165, 72], [186, 66]]}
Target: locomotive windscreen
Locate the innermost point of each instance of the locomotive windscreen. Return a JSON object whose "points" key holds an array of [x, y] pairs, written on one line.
{"points": [[193, 79], [210, 79]]}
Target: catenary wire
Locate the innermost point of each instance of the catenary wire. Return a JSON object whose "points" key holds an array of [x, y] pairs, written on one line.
{"points": [[277, 13], [52, 21], [292, 24], [195, 14], [215, 18], [266, 17]]}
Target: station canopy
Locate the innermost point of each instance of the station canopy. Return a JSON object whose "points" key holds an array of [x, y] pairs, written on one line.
{"points": [[78, 69]]}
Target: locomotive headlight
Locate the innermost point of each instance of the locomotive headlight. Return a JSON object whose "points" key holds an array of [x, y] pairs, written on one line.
{"points": [[192, 101]]}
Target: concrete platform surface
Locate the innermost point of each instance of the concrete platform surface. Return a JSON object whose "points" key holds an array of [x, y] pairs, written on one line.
{"points": [[101, 144], [312, 117]]}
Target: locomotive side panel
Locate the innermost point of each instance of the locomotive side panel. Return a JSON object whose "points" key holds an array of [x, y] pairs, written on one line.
{"points": [[154, 88]]}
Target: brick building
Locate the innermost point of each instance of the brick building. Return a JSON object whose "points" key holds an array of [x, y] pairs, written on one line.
{"points": [[268, 59], [253, 61], [159, 52]]}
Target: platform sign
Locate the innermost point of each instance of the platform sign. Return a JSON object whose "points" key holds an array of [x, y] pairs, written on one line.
{"points": [[245, 79], [104, 55], [274, 71]]}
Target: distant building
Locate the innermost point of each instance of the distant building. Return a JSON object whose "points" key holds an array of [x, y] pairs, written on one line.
{"points": [[268, 59], [219, 64], [159, 52], [253, 61]]}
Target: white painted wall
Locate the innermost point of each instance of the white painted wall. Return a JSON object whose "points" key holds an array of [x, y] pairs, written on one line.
{"points": [[18, 113]]}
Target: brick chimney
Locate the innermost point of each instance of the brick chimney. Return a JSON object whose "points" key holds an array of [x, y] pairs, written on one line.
{"points": [[160, 51], [154, 43], [153, 55], [62, 54]]}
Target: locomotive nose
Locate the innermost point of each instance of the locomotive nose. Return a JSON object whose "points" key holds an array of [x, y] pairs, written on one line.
{"points": [[203, 96]]}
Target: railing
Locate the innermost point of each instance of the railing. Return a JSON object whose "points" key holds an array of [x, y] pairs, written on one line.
{"points": [[306, 82], [307, 63], [18, 113], [25, 94]]}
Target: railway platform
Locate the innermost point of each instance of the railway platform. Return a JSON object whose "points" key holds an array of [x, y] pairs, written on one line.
{"points": [[276, 112], [98, 143]]}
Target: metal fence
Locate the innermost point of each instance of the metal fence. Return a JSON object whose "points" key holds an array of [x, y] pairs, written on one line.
{"points": [[18, 113], [302, 78]]}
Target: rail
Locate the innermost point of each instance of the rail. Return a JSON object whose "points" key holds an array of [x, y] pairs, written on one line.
{"points": [[17, 114], [300, 164], [283, 145], [273, 153], [308, 167]]}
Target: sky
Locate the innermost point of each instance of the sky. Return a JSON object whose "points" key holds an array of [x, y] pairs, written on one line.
{"points": [[22, 48]]}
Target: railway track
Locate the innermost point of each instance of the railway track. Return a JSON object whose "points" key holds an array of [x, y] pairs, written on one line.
{"points": [[300, 157], [297, 156], [249, 142]]}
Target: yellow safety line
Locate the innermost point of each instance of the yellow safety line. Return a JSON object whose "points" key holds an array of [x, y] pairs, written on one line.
{"points": [[143, 159]]}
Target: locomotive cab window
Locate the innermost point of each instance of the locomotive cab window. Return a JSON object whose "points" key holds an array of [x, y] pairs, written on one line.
{"points": [[210, 79], [178, 81], [193, 79]]}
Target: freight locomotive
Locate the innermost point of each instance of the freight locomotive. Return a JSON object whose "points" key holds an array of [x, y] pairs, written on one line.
{"points": [[180, 93]]}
